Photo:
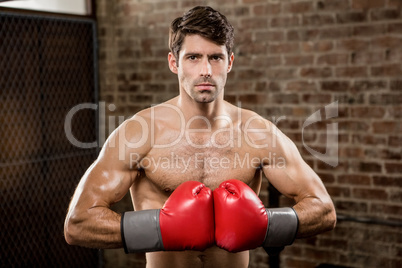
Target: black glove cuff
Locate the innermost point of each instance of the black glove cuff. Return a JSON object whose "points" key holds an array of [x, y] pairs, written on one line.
{"points": [[140, 231], [283, 224]]}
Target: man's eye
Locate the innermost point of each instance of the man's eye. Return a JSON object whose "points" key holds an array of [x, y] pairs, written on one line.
{"points": [[192, 57], [216, 58]]}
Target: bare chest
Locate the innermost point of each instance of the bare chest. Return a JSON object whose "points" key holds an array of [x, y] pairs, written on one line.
{"points": [[169, 167]]}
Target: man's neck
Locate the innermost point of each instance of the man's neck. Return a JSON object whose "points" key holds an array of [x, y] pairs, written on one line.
{"points": [[203, 111]]}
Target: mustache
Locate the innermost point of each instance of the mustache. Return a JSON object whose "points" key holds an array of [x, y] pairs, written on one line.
{"points": [[204, 80]]}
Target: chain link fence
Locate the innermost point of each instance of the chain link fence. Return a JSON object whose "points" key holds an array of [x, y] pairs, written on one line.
{"points": [[47, 66]]}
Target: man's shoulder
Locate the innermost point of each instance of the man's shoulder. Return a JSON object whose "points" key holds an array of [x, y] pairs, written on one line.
{"points": [[155, 112], [250, 118]]}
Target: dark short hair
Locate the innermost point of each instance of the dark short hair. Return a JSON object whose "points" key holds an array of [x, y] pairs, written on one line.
{"points": [[204, 21]]}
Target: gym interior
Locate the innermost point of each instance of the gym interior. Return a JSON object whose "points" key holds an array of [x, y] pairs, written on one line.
{"points": [[327, 73]]}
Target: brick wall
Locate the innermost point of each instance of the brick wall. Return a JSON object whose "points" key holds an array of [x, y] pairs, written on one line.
{"points": [[292, 58]]}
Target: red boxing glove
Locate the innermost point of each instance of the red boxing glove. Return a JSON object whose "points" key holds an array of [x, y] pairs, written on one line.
{"points": [[240, 217], [187, 218], [186, 222]]}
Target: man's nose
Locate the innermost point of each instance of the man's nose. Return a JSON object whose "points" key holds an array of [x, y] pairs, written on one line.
{"points": [[206, 69]]}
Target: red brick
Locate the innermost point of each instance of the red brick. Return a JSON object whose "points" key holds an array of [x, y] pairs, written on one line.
{"points": [[298, 60], [353, 126], [373, 194], [317, 98], [394, 3], [140, 98], [318, 20], [353, 44], [141, 77], [336, 33], [351, 206], [251, 1], [295, 262], [330, 5], [355, 71], [254, 48], [319, 46], [265, 62], [267, 9], [395, 112], [145, 8], [303, 112], [231, 99], [288, 124], [155, 88], [367, 57], [333, 59], [288, 21], [327, 178], [250, 74], [387, 209], [351, 17], [320, 255], [335, 86], [285, 98], [369, 30], [354, 179], [255, 23], [384, 14], [298, 7], [128, 88], [396, 85], [385, 127], [267, 87], [385, 181], [370, 167], [276, 36], [395, 28], [302, 35], [316, 72], [166, 5], [281, 73], [338, 191], [387, 42], [350, 98], [385, 99], [390, 154], [393, 168], [368, 85], [152, 65], [283, 48], [351, 152], [367, 4], [395, 141], [253, 99], [302, 85], [368, 112]]}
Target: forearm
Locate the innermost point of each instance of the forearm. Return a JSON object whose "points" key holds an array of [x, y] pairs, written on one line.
{"points": [[315, 216], [97, 227]]}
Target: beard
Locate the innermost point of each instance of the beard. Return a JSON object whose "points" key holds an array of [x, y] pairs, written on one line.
{"points": [[204, 96]]}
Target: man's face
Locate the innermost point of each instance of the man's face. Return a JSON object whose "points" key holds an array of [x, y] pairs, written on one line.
{"points": [[202, 68]]}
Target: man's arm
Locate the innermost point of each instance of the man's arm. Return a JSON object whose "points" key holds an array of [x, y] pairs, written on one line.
{"points": [[90, 222], [185, 222], [296, 180]]}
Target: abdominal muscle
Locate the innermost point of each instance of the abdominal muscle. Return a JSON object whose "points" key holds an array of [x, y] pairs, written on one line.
{"points": [[211, 258]]}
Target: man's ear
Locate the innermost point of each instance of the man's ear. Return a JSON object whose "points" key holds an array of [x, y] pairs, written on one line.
{"points": [[172, 62], [231, 59]]}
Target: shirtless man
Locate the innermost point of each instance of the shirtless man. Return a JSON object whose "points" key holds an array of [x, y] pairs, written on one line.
{"points": [[197, 137]]}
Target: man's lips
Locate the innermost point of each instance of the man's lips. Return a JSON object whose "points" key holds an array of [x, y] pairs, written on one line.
{"points": [[205, 86]]}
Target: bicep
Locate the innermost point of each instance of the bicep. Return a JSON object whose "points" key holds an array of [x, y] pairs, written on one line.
{"points": [[101, 186], [108, 179], [290, 174]]}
